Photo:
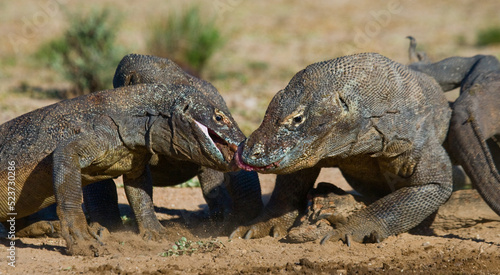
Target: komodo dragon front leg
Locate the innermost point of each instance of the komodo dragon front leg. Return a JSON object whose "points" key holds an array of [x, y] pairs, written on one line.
{"points": [[67, 180], [77, 154], [283, 208], [139, 191], [475, 123], [428, 187]]}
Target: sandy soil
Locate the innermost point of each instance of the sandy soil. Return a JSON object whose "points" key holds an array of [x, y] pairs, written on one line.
{"points": [[472, 250]]}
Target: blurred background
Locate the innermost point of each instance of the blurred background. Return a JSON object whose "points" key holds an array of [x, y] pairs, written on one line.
{"points": [[56, 49]]}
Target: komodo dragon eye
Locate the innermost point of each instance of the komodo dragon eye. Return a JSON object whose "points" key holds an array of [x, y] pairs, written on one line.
{"points": [[220, 117], [297, 119]]}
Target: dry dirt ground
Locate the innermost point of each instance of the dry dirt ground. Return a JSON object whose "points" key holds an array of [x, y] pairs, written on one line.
{"points": [[471, 250], [266, 44]]}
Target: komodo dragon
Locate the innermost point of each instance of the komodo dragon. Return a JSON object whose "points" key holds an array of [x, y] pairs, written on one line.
{"points": [[472, 142], [379, 122], [60, 148], [100, 198], [474, 134], [244, 202]]}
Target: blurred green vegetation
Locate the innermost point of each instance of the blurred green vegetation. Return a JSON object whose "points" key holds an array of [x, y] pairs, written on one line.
{"points": [[461, 40], [25, 88], [187, 38], [86, 54], [194, 182], [488, 36]]}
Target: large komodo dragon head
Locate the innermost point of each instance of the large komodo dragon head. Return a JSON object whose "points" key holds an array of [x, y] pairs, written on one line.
{"points": [[213, 127], [323, 112]]}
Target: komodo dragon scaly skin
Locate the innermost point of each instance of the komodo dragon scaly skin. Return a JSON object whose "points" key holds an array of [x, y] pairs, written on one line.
{"points": [[379, 122], [244, 202], [62, 147], [474, 135]]}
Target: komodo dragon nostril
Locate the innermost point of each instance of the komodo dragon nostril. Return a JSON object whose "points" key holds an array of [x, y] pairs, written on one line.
{"points": [[257, 151], [255, 155]]}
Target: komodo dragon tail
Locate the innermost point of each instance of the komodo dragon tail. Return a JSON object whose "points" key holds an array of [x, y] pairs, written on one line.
{"points": [[478, 155]]}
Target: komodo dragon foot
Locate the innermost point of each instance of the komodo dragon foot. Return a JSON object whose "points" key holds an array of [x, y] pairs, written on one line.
{"points": [[82, 239], [266, 225]]}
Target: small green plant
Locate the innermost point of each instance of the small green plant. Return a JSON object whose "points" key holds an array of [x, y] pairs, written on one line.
{"points": [[86, 54], [488, 36], [186, 38], [185, 247], [126, 220]]}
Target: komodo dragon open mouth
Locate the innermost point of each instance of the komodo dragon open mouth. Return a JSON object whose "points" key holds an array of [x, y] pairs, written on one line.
{"points": [[227, 150]]}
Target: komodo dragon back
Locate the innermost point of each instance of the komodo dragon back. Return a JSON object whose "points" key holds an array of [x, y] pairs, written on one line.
{"points": [[137, 69]]}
